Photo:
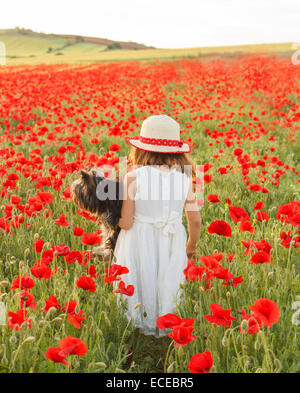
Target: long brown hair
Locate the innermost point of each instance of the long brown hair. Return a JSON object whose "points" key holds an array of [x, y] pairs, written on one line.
{"points": [[182, 160]]}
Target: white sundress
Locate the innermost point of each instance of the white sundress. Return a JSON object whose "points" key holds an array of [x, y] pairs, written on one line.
{"points": [[154, 248]]}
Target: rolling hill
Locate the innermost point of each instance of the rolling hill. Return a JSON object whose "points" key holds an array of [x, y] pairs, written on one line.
{"points": [[24, 46]]}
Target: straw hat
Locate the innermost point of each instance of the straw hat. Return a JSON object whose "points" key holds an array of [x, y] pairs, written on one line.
{"points": [[160, 133]]}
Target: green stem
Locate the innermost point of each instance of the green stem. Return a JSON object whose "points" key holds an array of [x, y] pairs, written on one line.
{"points": [[166, 360]]}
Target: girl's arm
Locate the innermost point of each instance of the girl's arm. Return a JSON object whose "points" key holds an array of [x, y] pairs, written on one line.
{"points": [[127, 212], [194, 222]]}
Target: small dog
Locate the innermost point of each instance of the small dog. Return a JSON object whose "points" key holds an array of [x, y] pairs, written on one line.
{"points": [[102, 198]]}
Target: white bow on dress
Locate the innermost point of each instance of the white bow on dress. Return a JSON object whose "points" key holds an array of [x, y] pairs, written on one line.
{"points": [[167, 224]]}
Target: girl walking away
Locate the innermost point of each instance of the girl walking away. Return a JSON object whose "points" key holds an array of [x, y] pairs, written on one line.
{"points": [[153, 242]]}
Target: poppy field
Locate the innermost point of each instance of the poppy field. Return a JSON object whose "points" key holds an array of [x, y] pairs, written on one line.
{"points": [[240, 308]]}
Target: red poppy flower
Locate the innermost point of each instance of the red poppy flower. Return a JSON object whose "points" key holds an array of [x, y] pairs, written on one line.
{"points": [[73, 256], [90, 239], [27, 299], [53, 355], [254, 322], [246, 226], [38, 245], [72, 346], [230, 256], [16, 320], [201, 362], [223, 274], [114, 271], [22, 283], [40, 271], [193, 272], [76, 319], [62, 221], [238, 214], [61, 250], [45, 197], [15, 199], [50, 302], [220, 316], [233, 281], [86, 215], [67, 194], [259, 205], [220, 228], [78, 231], [182, 335], [70, 306], [48, 254], [91, 271], [210, 261], [86, 283], [129, 290], [213, 198], [114, 147], [261, 257], [171, 320], [267, 310], [261, 216]]}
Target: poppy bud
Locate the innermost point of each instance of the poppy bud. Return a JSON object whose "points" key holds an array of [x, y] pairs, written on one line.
{"points": [[100, 365], [44, 323], [119, 370], [4, 361], [2, 283], [296, 318], [225, 341], [36, 236], [258, 370], [29, 340], [270, 275], [196, 308], [257, 343], [171, 367], [26, 252], [137, 306], [13, 340], [277, 364], [244, 326], [107, 320], [228, 295], [21, 264], [56, 319]]}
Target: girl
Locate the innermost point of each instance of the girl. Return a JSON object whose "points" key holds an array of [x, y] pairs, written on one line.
{"points": [[152, 242]]}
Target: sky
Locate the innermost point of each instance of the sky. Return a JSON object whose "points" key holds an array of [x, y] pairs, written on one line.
{"points": [[161, 23]]}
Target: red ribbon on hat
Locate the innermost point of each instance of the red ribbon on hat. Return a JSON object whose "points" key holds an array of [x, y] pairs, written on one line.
{"points": [[161, 142]]}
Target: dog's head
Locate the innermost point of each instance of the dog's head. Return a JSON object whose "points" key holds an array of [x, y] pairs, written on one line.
{"points": [[93, 192]]}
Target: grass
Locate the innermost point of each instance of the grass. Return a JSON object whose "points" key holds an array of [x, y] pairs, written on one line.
{"points": [[44, 113]]}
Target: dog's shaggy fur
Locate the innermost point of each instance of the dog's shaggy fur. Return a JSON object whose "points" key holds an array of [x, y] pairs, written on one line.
{"points": [[90, 193]]}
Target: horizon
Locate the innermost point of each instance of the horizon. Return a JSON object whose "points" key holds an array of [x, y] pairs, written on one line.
{"points": [[217, 23], [142, 43]]}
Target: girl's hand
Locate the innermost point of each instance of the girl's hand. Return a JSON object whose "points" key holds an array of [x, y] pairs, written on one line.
{"points": [[191, 250]]}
